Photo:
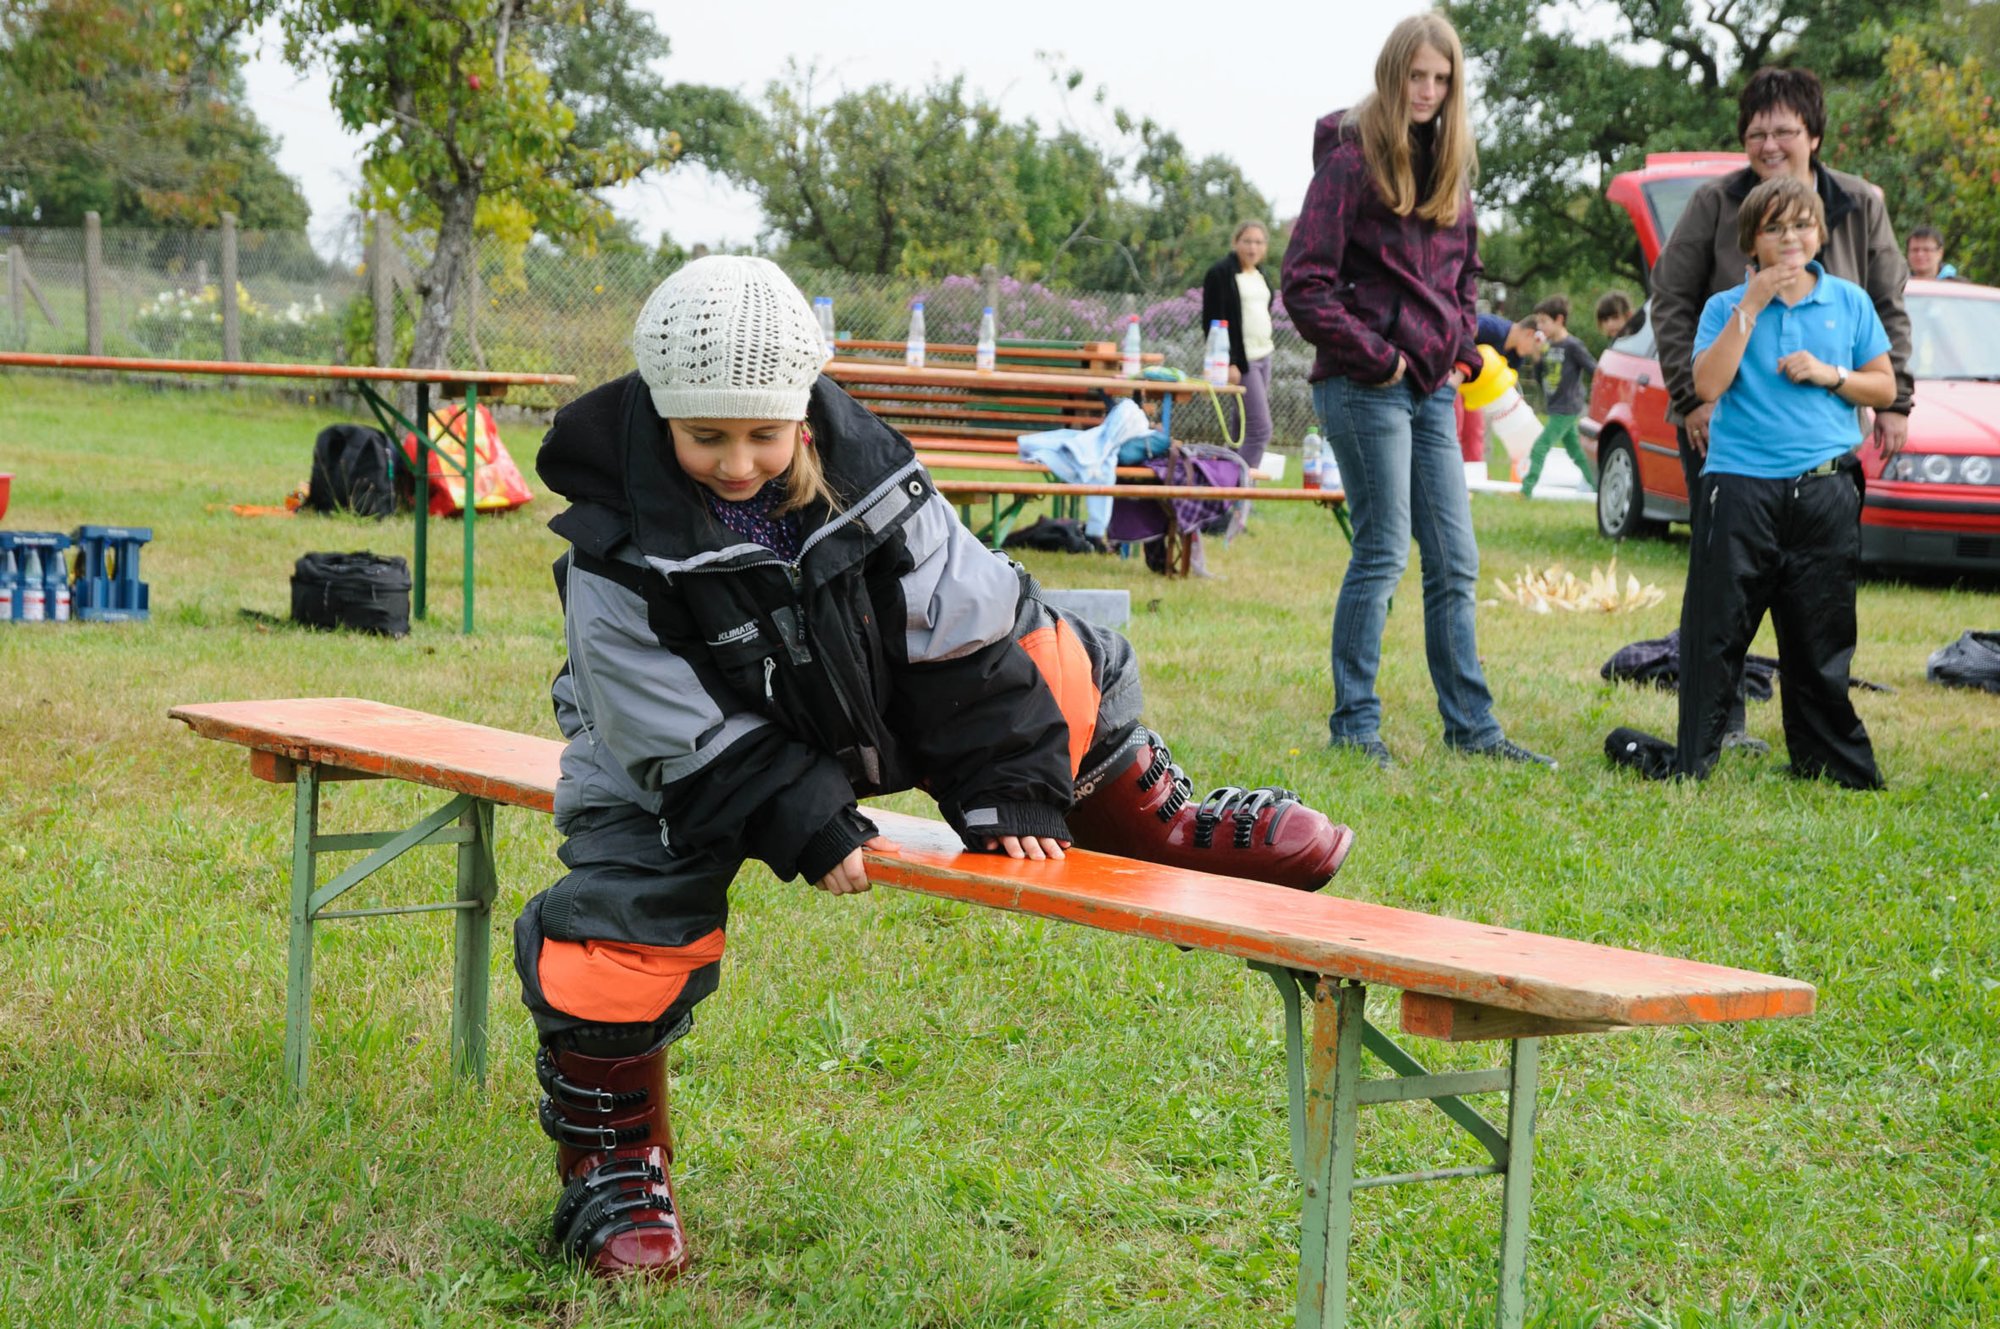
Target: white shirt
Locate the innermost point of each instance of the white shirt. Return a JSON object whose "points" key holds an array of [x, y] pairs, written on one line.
{"points": [[1256, 297]]}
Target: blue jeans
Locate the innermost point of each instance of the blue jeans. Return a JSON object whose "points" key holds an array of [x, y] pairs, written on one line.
{"points": [[1404, 474]]}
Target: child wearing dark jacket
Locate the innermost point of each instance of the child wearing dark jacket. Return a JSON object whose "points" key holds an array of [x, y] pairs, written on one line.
{"points": [[770, 614]]}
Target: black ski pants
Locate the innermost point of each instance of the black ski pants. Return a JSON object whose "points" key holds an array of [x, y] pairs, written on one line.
{"points": [[1791, 548]]}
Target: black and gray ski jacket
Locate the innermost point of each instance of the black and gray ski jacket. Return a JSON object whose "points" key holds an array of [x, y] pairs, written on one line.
{"points": [[749, 700]]}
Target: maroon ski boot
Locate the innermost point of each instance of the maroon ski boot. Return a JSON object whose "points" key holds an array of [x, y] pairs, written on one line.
{"points": [[1141, 806], [608, 1117]]}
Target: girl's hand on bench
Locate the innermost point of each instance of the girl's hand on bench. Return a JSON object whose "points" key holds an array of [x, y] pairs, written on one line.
{"points": [[851, 877], [1027, 846]]}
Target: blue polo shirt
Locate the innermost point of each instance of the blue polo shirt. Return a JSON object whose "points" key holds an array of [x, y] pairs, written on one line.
{"points": [[1765, 425]]}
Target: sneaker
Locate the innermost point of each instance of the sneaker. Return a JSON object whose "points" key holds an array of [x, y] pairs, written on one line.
{"points": [[1740, 740], [1506, 749], [1372, 748], [1143, 807]]}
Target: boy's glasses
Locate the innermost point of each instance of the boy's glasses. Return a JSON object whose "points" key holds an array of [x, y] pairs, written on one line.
{"points": [[1796, 226], [1782, 137]]}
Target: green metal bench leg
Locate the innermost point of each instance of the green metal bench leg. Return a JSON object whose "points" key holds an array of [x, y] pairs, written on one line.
{"points": [[1327, 1091], [299, 956], [1523, 1076], [1331, 1117], [472, 928]]}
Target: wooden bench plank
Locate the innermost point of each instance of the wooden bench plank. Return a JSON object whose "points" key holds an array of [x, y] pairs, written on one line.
{"points": [[1550, 977]]}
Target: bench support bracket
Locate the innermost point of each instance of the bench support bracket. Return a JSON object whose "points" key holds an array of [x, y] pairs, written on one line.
{"points": [[472, 910], [1327, 1092]]}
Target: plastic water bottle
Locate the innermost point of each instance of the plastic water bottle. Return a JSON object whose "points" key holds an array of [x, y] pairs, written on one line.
{"points": [[823, 308], [1216, 367], [1128, 356], [985, 353], [58, 590], [913, 347], [1312, 456], [34, 598], [6, 586]]}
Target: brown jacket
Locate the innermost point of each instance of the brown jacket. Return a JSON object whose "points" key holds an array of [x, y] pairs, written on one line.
{"points": [[1701, 258]]}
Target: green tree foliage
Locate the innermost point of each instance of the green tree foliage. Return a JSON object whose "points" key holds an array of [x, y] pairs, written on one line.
{"points": [[882, 181], [133, 111], [1563, 102], [935, 181], [1927, 133], [1174, 218], [508, 117]]}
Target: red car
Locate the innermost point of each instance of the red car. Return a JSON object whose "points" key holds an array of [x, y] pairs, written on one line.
{"points": [[1936, 506]]}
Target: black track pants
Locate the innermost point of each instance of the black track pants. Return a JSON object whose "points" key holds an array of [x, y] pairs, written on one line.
{"points": [[1792, 548]]}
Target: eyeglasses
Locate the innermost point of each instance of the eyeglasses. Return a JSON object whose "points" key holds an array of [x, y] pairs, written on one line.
{"points": [[1784, 138], [1797, 226]]}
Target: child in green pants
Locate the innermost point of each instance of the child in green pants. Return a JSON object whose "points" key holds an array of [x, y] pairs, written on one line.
{"points": [[1566, 399]]}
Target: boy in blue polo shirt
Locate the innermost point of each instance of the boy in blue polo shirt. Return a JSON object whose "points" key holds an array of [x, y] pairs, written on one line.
{"points": [[1787, 357]]}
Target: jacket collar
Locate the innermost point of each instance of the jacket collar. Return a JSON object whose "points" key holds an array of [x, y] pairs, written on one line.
{"points": [[1837, 201]]}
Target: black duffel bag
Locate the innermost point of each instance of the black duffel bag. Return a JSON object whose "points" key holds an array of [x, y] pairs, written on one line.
{"points": [[363, 591]]}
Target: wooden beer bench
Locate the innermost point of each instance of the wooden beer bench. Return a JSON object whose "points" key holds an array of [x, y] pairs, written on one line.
{"points": [[1459, 980]]}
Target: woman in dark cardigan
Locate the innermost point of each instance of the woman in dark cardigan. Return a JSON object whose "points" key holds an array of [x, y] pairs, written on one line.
{"points": [[1236, 291]]}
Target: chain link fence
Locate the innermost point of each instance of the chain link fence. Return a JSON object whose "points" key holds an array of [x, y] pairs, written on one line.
{"points": [[537, 309]]}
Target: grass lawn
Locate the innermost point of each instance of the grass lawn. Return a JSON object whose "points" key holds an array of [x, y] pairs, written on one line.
{"points": [[900, 1112]]}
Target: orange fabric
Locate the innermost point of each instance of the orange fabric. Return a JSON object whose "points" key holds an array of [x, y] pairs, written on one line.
{"points": [[1065, 667], [620, 982]]}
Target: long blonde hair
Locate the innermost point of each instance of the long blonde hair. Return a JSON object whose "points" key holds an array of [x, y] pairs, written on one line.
{"points": [[1383, 119], [805, 480]]}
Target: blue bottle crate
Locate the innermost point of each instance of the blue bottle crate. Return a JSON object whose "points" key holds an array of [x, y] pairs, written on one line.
{"points": [[107, 575], [48, 547]]}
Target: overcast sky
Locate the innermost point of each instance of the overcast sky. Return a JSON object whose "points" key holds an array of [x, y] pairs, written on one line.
{"points": [[1253, 98]]}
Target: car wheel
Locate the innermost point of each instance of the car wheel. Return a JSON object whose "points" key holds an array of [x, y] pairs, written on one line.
{"points": [[1621, 503]]}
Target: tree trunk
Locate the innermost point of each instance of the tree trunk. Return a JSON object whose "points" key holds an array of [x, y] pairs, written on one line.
{"points": [[442, 281]]}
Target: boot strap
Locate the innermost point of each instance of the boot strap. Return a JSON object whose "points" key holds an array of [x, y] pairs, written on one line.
{"points": [[584, 1098], [582, 1136]]}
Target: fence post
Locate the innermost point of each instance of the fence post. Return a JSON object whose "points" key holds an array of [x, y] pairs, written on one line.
{"points": [[989, 277], [232, 317], [14, 305], [380, 294], [93, 283]]}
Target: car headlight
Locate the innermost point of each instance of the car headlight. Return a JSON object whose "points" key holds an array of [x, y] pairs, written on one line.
{"points": [[1976, 470], [1936, 468], [1903, 467]]}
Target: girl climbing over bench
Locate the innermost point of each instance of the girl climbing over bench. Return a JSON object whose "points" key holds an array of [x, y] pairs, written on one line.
{"points": [[770, 614]]}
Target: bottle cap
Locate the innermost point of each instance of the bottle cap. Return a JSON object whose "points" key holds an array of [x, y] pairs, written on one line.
{"points": [[916, 304], [987, 310]]}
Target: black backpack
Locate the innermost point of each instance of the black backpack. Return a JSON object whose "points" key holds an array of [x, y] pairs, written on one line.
{"points": [[362, 591], [353, 470]]}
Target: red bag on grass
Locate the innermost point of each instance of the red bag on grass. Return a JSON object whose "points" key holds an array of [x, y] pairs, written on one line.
{"points": [[498, 485]]}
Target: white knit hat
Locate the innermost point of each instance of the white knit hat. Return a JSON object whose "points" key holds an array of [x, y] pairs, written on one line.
{"points": [[729, 337]]}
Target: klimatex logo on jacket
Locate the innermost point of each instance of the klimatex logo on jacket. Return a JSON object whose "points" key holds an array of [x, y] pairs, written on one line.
{"points": [[737, 635]]}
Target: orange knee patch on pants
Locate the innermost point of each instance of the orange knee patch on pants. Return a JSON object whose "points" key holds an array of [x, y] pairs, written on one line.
{"points": [[620, 982], [1065, 667]]}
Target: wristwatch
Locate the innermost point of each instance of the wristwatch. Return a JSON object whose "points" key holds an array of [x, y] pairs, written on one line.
{"points": [[1839, 379]]}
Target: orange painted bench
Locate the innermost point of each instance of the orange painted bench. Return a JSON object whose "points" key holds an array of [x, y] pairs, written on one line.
{"points": [[1459, 980]]}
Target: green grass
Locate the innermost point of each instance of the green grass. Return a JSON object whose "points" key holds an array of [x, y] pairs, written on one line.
{"points": [[899, 1112]]}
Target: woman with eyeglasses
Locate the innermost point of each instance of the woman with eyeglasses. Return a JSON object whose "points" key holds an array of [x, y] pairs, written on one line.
{"points": [[1780, 118]]}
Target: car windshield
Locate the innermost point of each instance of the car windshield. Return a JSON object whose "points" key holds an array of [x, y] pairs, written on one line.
{"points": [[1668, 199], [1954, 337]]}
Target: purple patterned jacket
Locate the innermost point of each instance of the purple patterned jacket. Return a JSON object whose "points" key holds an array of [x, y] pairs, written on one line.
{"points": [[1362, 284]]}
